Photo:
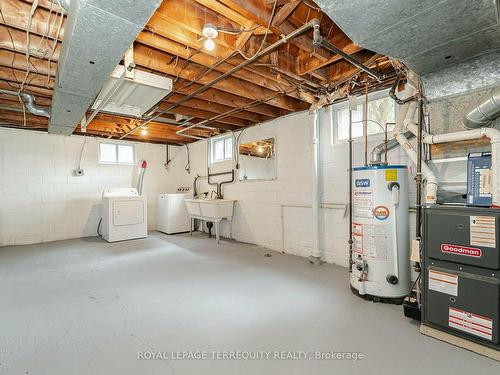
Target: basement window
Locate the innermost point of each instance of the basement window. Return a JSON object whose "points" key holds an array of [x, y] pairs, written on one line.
{"points": [[221, 148], [381, 110], [113, 153]]}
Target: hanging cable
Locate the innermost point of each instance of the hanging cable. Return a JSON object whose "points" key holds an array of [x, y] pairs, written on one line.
{"points": [[188, 164], [81, 152], [27, 47], [265, 35]]}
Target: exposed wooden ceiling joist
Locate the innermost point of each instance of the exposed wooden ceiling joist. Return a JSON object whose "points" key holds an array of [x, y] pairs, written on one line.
{"points": [[172, 45]]}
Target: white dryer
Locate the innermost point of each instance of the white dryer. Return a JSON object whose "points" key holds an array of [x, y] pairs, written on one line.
{"points": [[172, 213], [124, 214]]}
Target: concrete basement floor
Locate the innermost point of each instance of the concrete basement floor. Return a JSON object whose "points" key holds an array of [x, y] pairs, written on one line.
{"points": [[88, 307]]}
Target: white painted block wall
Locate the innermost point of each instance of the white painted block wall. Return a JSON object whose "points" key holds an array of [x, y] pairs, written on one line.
{"points": [[41, 200], [266, 213]]}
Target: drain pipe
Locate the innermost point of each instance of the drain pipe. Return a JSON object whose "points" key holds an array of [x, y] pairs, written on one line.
{"points": [[406, 115], [491, 133], [29, 103], [315, 257]]}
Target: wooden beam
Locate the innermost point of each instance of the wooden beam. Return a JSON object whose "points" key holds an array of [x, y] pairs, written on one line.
{"points": [[189, 111], [17, 13], [40, 48], [253, 75], [155, 60], [17, 117], [39, 92], [221, 97], [284, 12], [217, 108], [15, 75], [18, 61], [259, 11], [307, 66]]}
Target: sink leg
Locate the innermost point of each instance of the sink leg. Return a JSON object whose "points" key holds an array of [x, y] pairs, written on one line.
{"points": [[230, 229], [191, 227], [217, 231]]}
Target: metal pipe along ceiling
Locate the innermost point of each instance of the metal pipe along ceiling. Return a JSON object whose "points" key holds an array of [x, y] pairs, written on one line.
{"points": [[301, 30]]}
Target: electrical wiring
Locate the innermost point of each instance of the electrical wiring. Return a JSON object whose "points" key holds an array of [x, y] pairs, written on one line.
{"points": [[56, 39], [13, 48], [27, 47], [47, 25], [81, 152], [188, 165], [194, 80], [265, 35], [236, 31], [186, 63]]}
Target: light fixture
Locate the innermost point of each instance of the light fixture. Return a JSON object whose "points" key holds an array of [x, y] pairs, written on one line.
{"points": [[209, 32], [209, 44], [144, 131]]}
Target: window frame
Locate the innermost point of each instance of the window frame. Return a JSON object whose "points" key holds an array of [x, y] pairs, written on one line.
{"points": [[335, 108], [117, 162], [222, 138]]}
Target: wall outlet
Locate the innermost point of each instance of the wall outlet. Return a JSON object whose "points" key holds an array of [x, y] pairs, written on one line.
{"points": [[78, 172]]}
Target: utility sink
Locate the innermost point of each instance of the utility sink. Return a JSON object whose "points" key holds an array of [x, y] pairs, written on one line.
{"points": [[213, 210]]}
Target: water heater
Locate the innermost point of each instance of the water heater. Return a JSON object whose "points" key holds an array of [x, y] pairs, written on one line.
{"points": [[380, 256]]}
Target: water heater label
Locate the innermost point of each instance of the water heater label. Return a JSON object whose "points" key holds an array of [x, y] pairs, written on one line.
{"points": [[443, 282], [362, 182], [381, 212], [461, 250], [473, 324], [391, 174], [363, 198]]}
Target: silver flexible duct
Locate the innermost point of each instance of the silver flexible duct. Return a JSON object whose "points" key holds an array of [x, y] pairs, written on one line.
{"points": [[29, 103], [486, 110]]}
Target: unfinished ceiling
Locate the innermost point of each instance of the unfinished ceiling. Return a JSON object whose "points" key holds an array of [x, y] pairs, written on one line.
{"points": [[208, 88], [427, 35]]}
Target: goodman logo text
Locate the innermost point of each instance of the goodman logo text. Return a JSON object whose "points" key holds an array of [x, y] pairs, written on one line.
{"points": [[461, 250]]}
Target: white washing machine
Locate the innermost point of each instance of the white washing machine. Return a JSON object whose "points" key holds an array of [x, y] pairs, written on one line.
{"points": [[172, 213], [124, 214]]}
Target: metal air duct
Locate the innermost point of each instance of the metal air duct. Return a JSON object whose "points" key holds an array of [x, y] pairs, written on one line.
{"points": [[485, 112], [96, 37]]}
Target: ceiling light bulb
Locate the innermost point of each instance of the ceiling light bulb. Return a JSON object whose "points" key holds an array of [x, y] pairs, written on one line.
{"points": [[209, 44], [144, 131], [210, 31]]}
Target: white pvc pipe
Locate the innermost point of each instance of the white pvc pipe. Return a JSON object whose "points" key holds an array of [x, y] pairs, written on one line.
{"points": [[491, 133], [405, 116], [316, 251]]}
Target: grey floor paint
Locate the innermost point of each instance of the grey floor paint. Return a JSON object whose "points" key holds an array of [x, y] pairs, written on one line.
{"points": [[88, 307]]}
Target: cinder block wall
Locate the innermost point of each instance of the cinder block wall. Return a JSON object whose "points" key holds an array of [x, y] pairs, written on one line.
{"points": [[266, 212], [41, 200]]}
